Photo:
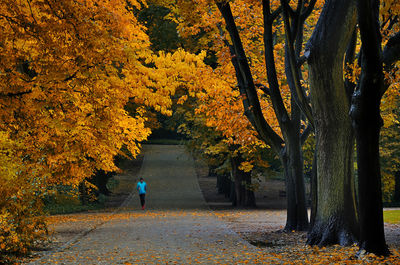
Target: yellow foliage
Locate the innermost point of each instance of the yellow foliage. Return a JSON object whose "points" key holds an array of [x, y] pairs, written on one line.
{"points": [[68, 68], [20, 204], [246, 166]]}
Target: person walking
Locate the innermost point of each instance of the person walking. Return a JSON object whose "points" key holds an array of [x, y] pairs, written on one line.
{"points": [[141, 187]]}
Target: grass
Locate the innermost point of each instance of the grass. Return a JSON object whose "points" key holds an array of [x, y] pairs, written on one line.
{"points": [[72, 205], [392, 216]]}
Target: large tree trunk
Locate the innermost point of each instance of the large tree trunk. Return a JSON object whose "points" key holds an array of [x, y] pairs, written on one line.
{"points": [[335, 218], [367, 122]]}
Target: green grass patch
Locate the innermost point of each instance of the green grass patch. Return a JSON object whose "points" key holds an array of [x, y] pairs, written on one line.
{"points": [[392, 216], [66, 201], [73, 205]]}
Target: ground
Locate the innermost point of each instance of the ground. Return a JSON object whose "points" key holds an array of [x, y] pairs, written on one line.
{"points": [[263, 226], [180, 227]]}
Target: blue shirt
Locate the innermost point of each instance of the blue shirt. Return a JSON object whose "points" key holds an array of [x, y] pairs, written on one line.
{"points": [[141, 187]]}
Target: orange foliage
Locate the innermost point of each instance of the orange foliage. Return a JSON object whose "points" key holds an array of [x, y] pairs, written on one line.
{"points": [[67, 70], [222, 104]]}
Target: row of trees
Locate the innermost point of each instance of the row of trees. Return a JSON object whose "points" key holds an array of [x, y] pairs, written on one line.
{"points": [[80, 81], [320, 64]]}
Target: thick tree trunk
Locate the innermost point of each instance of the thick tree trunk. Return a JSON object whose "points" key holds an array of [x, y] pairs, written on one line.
{"points": [[367, 122], [244, 196], [296, 218], [232, 193], [335, 218], [292, 161], [367, 128]]}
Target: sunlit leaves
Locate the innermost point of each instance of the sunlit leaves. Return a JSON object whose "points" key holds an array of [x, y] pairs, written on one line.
{"points": [[67, 70]]}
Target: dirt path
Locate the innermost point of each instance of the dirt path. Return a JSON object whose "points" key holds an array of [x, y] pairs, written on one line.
{"points": [[176, 228]]}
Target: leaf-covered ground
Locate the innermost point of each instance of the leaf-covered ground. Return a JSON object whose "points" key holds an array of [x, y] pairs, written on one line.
{"points": [[263, 227], [179, 228]]}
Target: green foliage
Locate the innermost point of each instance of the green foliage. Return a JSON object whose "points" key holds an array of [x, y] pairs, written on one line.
{"points": [[390, 145], [66, 205], [161, 31], [64, 199]]}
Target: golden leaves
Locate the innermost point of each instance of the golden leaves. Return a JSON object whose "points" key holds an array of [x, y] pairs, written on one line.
{"points": [[67, 70]]}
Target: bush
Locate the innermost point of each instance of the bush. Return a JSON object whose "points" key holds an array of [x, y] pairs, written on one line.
{"points": [[21, 222]]}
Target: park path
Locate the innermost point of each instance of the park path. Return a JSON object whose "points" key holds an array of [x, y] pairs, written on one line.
{"points": [[176, 228]]}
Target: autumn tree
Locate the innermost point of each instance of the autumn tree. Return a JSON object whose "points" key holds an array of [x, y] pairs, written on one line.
{"points": [[274, 114], [67, 70]]}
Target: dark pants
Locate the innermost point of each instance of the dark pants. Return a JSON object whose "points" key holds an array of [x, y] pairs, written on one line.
{"points": [[142, 199]]}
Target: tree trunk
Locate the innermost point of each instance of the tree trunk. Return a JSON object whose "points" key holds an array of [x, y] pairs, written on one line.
{"points": [[367, 123], [292, 161], [335, 218], [396, 196], [100, 179], [367, 128], [244, 195], [224, 184], [314, 189]]}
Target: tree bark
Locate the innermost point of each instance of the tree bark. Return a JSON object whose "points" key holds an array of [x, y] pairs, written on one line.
{"points": [[244, 195], [292, 161], [396, 196], [335, 217], [224, 184], [367, 122], [314, 189]]}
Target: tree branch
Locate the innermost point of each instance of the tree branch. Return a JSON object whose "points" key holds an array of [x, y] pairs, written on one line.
{"points": [[390, 55], [274, 15], [301, 99], [308, 10], [264, 88], [303, 59], [305, 134], [349, 59], [391, 52], [246, 83], [15, 94]]}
